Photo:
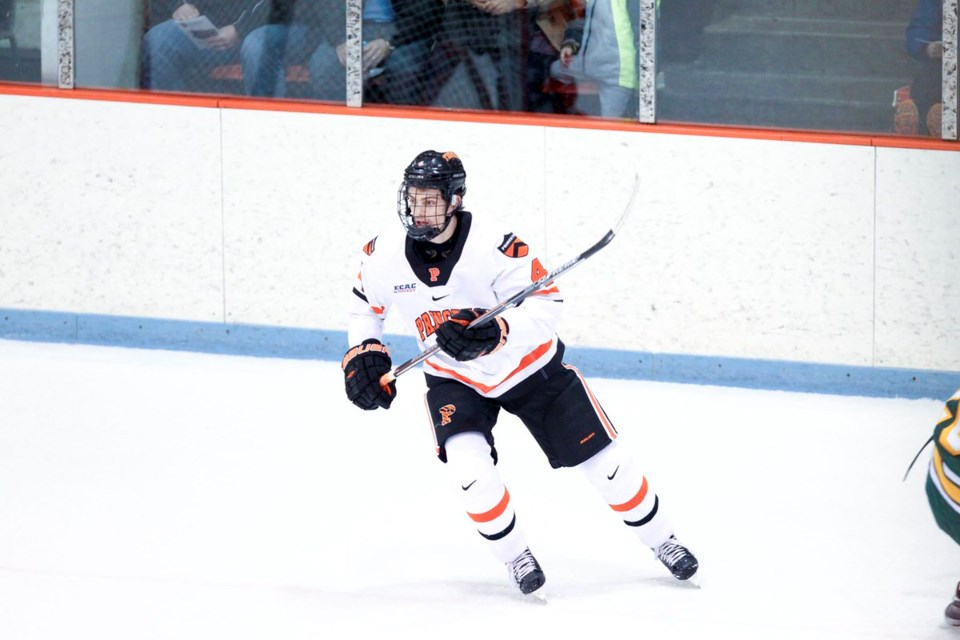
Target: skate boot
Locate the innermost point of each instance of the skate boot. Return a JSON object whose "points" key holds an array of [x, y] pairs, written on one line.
{"points": [[952, 614], [677, 558], [525, 572]]}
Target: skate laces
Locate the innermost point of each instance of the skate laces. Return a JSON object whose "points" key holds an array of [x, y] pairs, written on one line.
{"points": [[523, 565], [671, 551]]}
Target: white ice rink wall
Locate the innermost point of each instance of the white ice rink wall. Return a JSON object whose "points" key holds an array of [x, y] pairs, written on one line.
{"points": [[758, 262]]}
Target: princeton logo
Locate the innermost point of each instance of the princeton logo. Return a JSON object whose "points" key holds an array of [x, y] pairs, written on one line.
{"points": [[410, 287], [513, 247], [370, 246], [446, 413]]}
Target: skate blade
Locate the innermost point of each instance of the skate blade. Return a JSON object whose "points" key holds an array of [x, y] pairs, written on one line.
{"points": [[538, 597], [693, 581]]}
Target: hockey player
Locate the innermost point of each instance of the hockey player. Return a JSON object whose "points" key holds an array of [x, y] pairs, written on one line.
{"points": [[943, 485], [440, 275]]}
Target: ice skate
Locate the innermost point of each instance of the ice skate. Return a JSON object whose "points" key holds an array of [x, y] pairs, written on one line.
{"points": [[952, 613], [677, 558], [526, 574]]}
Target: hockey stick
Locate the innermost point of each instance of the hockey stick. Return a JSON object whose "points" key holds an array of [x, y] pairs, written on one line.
{"points": [[519, 296]]}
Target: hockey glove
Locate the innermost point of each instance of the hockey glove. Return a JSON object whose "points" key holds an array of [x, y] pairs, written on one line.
{"points": [[362, 367], [462, 342]]}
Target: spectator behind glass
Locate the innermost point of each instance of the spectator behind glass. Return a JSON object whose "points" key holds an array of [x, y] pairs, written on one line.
{"points": [[925, 43], [469, 63], [544, 24], [288, 38], [397, 40], [172, 61], [602, 47], [550, 20]]}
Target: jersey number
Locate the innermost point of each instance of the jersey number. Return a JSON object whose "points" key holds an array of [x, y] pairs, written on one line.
{"points": [[536, 270]]}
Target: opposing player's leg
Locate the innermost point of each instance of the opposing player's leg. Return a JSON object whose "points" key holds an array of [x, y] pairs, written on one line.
{"points": [[943, 488], [951, 614], [462, 424]]}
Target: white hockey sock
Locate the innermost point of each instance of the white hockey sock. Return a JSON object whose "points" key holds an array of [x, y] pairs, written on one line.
{"points": [[616, 474], [484, 495]]}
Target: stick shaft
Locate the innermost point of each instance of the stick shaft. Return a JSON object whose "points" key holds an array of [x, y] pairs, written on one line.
{"points": [[519, 296]]}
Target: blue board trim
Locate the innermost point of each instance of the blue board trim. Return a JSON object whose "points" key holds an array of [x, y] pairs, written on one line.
{"points": [[319, 344]]}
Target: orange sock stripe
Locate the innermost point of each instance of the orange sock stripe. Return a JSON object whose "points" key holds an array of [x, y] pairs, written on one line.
{"points": [[494, 513], [634, 501]]}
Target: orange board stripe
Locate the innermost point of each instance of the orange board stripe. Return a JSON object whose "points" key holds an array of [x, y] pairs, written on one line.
{"points": [[478, 116]]}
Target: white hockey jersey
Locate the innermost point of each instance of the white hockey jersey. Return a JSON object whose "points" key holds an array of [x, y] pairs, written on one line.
{"points": [[484, 268]]}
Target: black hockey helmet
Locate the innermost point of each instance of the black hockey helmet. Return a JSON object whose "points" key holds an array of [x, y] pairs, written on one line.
{"points": [[440, 170]]}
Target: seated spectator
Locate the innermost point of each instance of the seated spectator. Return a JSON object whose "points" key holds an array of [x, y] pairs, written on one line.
{"points": [[398, 38], [174, 61], [471, 67], [925, 43], [537, 46], [601, 48], [288, 38], [550, 18], [407, 72]]}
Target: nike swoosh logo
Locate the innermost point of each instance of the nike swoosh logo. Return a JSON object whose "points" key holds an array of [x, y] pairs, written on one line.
{"points": [[468, 486], [610, 477], [435, 298]]}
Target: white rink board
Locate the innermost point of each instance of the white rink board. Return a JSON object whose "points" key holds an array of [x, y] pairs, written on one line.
{"points": [[741, 248], [730, 250], [111, 208], [296, 224], [918, 258]]}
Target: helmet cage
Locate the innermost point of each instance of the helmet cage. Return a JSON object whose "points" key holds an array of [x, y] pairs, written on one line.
{"points": [[431, 170]]}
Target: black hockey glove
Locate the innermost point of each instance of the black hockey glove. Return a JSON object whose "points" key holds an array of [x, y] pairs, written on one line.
{"points": [[466, 343], [362, 367]]}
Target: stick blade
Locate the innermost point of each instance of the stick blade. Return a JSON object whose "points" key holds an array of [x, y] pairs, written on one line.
{"points": [[631, 204]]}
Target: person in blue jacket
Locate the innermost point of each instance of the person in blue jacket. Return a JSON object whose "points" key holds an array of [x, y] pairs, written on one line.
{"points": [[602, 47]]}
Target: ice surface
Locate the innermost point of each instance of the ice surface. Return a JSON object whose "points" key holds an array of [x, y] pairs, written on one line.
{"points": [[152, 494]]}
